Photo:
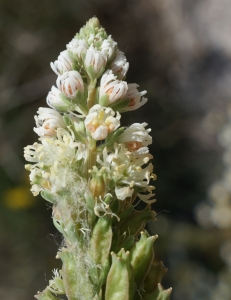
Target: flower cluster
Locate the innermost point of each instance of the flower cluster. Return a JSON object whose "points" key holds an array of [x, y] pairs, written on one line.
{"points": [[87, 102], [91, 169]]}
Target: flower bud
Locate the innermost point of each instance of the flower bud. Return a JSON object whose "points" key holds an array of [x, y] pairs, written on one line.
{"points": [[92, 24], [78, 48], [70, 83], [95, 62], [97, 186], [108, 47], [112, 88], [119, 65], [54, 100], [47, 121], [62, 64]]}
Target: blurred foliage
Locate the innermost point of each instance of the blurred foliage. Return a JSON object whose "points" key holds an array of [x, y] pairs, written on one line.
{"points": [[180, 52]]}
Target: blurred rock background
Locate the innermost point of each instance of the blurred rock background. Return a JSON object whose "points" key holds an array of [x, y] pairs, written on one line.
{"points": [[180, 52]]}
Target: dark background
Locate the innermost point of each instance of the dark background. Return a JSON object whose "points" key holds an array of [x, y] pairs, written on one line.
{"points": [[180, 52]]}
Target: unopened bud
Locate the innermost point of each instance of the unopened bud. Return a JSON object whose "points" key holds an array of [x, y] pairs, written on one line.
{"points": [[70, 83], [95, 63], [97, 186]]}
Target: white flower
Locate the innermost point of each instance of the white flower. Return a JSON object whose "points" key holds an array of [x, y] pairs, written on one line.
{"points": [[62, 64], [119, 65], [115, 89], [123, 192], [47, 121], [103, 209], [54, 100], [96, 60], [108, 47], [136, 137], [54, 160], [135, 97], [100, 121], [70, 83], [77, 47], [128, 172]]}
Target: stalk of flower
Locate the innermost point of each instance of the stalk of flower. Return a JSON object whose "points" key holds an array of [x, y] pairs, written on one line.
{"points": [[93, 172]]}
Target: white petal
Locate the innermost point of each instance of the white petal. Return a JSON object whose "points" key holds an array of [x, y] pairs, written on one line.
{"points": [[124, 192]]}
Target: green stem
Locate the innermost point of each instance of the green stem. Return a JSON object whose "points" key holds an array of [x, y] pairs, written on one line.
{"points": [[90, 160], [91, 94]]}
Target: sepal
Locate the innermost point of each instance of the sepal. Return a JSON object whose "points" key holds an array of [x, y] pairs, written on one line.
{"points": [[142, 255], [120, 280], [153, 278], [100, 243], [120, 105], [49, 197], [112, 138]]}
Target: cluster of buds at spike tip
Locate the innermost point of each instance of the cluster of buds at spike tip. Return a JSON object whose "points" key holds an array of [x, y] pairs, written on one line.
{"points": [[93, 172]]}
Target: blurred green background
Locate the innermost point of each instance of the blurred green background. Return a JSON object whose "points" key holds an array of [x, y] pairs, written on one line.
{"points": [[180, 52]]}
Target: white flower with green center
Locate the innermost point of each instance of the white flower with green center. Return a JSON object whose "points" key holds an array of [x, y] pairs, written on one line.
{"points": [[101, 121], [136, 138], [47, 121], [62, 64], [112, 88], [70, 83], [119, 65], [135, 97]]}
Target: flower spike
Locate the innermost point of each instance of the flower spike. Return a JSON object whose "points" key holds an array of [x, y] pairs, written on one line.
{"points": [[94, 172]]}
